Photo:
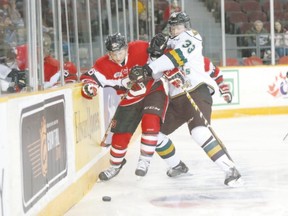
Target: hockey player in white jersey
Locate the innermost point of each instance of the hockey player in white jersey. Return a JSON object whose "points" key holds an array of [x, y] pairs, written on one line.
{"points": [[187, 60]]}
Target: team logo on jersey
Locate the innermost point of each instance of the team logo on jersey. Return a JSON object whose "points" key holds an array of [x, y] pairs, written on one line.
{"points": [[121, 74]]}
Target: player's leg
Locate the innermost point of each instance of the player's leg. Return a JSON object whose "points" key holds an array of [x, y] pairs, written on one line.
{"points": [[206, 140], [118, 151], [165, 147], [125, 122], [154, 108], [150, 128], [167, 151]]}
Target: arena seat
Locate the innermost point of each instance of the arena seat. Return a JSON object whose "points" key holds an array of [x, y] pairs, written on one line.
{"points": [[252, 61], [283, 60], [231, 62]]}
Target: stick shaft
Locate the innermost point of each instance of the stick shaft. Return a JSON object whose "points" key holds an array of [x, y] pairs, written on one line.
{"points": [[206, 123]]}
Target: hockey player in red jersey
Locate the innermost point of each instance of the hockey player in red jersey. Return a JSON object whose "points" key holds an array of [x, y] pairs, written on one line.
{"points": [[189, 82], [144, 102], [215, 73]]}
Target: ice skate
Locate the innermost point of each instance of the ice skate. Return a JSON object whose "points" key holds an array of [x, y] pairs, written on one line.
{"points": [[111, 172], [233, 178], [177, 170], [142, 167]]}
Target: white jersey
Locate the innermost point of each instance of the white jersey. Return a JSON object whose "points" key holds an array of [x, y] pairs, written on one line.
{"points": [[186, 54]]}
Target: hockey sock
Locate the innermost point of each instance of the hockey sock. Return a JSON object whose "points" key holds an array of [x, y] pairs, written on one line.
{"points": [[150, 128], [119, 148], [166, 150], [204, 138], [148, 145], [117, 156]]}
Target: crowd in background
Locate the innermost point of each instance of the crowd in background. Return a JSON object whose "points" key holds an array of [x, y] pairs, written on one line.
{"points": [[13, 34], [252, 17]]}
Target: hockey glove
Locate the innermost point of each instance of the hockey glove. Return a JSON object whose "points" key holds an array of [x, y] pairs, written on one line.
{"points": [[89, 90], [225, 92], [175, 77], [127, 83], [140, 73], [157, 45]]}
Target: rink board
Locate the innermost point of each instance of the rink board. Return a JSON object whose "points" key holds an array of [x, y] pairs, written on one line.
{"points": [[75, 128]]}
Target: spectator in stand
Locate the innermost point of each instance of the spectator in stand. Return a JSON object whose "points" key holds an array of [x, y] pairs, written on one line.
{"points": [[11, 78], [142, 16], [52, 67], [174, 7], [260, 34], [6, 25], [281, 40], [9, 7], [10, 20]]}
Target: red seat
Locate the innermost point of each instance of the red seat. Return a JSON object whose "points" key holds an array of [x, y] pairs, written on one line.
{"points": [[231, 62], [237, 16], [252, 61], [250, 5], [257, 15], [235, 20], [277, 5], [283, 60], [278, 15], [232, 6]]}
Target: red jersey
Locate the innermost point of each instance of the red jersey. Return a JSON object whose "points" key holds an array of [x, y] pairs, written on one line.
{"points": [[110, 74], [51, 67], [213, 71], [137, 55]]}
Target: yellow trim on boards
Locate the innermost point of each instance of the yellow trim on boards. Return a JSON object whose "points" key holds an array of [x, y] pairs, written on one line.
{"points": [[232, 113]]}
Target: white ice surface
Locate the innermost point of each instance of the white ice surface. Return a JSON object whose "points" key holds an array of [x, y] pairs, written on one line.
{"points": [[256, 145]]}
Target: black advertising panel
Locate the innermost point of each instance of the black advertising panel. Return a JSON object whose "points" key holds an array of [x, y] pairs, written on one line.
{"points": [[43, 144]]}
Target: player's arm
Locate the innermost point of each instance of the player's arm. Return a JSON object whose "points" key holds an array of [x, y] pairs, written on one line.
{"points": [[70, 72], [224, 88], [168, 61], [157, 46], [93, 79]]}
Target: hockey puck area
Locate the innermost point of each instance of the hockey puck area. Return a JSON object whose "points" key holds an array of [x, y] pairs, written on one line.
{"points": [[106, 198]]}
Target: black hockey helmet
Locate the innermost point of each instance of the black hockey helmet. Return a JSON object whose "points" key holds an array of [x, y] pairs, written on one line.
{"points": [[115, 42], [177, 18]]}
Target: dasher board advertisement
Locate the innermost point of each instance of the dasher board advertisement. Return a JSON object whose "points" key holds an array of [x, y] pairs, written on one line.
{"points": [[44, 148]]}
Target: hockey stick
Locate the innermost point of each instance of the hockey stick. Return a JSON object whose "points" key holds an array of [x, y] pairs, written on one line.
{"points": [[285, 139], [205, 121], [176, 79]]}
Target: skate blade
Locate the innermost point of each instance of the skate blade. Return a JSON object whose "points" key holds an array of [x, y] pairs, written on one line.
{"points": [[236, 183], [182, 175]]}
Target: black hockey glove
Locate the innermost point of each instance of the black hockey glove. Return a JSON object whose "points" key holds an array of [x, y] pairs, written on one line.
{"points": [[140, 73], [13, 74], [157, 45], [19, 79]]}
